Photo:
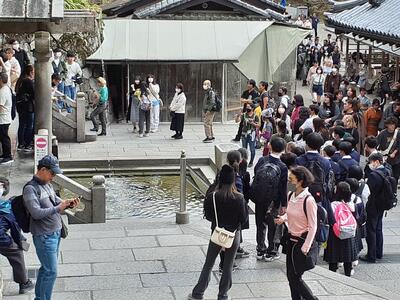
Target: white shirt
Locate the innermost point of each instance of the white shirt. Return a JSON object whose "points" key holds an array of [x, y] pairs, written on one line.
{"points": [[308, 123], [72, 70], [5, 105], [178, 103]]}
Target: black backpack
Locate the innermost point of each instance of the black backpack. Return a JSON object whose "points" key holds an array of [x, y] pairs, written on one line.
{"points": [[265, 183], [388, 196], [218, 103], [318, 188], [321, 236], [21, 214]]}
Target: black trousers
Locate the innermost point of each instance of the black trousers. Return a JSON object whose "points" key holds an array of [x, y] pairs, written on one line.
{"points": [[5, 140], [396, 171], [299, 290], [15, 257], [264, 220], [348, 266], [226, 278], [238, 136], [374, 233]]}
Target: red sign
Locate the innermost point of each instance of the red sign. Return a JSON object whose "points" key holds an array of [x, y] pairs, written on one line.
{"points": [[41, 143]]}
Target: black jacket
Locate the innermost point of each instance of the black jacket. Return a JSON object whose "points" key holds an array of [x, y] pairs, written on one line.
{"points": [[375, 184], [232, 212]]}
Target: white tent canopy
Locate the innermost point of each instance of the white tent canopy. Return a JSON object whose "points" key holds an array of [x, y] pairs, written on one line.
{"points": [[248, 43]]}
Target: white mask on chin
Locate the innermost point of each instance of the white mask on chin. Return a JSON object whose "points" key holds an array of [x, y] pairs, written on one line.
{"points": [[178, 90], [371, 166], [151, 80]]}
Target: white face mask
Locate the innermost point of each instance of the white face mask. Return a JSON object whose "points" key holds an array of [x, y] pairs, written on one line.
{"points": [[151, 80], [1, 191], [205, 87], [319, 72], [281, 110], [57, 54], [178, 90], [137, 81], [15, 46], [371, 166]]}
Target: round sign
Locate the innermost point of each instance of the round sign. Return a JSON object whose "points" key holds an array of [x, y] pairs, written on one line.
{"points": [[41, 143]]}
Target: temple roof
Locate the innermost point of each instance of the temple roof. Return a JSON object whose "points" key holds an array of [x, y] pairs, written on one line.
{"points": [[375, 22], [34, 10]]}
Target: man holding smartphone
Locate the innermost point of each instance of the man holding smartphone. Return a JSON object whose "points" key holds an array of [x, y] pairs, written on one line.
{"points": [[45, 209]]}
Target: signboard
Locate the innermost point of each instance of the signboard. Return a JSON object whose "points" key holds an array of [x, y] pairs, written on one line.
{"points": [[41, 148]]}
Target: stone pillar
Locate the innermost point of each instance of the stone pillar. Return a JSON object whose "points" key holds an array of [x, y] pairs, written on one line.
{"points": [[80, 117], [43, 106], [98, 199]]}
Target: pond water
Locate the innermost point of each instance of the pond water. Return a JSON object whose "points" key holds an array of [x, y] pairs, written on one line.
{"points": [[145, 196]]}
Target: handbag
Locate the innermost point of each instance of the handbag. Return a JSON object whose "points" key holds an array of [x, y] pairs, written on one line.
{"points": [[221, 236], [64, 229]]}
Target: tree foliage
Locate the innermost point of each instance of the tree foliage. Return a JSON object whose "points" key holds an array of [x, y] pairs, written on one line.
{"points": [[81, 4]]}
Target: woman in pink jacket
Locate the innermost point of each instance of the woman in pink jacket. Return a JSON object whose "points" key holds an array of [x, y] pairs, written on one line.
{"points": [[301, 220]]}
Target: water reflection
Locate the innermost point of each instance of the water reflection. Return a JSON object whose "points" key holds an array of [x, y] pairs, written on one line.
{"points": [[145, 196]]}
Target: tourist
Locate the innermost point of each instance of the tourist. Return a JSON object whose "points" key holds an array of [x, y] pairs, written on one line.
{"points": [[250, 124], [284, 99], [318, 81], [320, 127], [154, 96], [336, 57], [282, 132], [311, 72], [304, 114], [315, 21], [247, 97], [11, 66], [282, 115], [266, 101], [302, 226], [231, 213], [20, 54], [332, 82], [134, 101], [12, 242], [298, 103], [269, 195], [5, 119], [73, 76], [372, 118], [389, 145], [177, 110], [392, 110], [268, 128], [59, 68], [341, 250], [329, 111], [384, 90], [374, 211], [25, 105], [209, 103], [44, 207], [144, 111], [365, 102], [308, 123], [101, 107], [350, 127]]}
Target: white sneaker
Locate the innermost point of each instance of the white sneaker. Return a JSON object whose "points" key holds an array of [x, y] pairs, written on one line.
{"points": [[352, 272], [140, 135], [340, 265], [355, 263], [146, 135], [153, 130]]}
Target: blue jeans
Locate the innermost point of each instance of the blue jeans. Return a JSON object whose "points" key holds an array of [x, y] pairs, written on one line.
{"points": [[47, 248], [61, 87], [247, 140], [25, 128], [70, 91]]}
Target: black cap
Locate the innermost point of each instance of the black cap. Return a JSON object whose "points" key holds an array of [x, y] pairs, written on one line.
{"points": [[227, 175], [50, 162]]}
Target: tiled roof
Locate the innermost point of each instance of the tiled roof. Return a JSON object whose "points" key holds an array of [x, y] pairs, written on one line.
{"points": [[159, 7], [379, 23], [342, 5]]}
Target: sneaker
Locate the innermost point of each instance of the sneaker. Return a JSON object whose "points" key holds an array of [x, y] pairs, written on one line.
{"points": [[6, 160], [260, 255], [174, 136], [94, 129], [153, 130], [207, 140], [268, 257], [367, 259], [102, 133], [277, 256], [134, 130], [146, 135], [213, 138], [241, 253], [179, 137], [352, 272], [26, 287], [140, 135], [235, 140], [28, 149], [354, 263], [20, 148], [190, 297]]}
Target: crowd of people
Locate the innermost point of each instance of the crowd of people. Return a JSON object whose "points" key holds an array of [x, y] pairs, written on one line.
{"points": [[311, 188]]}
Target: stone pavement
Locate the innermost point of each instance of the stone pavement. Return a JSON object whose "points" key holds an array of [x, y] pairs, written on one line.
{"points": [[139, 259]]}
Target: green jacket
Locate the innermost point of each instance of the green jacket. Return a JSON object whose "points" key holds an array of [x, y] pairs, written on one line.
{"points": [[209, 100]]}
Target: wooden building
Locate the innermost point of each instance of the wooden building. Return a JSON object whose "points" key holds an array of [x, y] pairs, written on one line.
{"points": [[227, 42]]}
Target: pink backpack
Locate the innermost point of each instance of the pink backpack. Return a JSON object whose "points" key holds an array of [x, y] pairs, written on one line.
{"points": [[346, 225]]}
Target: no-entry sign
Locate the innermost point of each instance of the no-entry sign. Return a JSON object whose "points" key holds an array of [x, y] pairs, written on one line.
{"points": [[41, 148]]}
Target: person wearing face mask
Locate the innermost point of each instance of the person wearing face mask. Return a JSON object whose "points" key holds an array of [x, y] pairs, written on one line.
{"points": [[208, 111], [374, 212], [318, 81], [177, 110], [12, 242], [332, 82], [156, 102], [250, 124], [282, 114], [59, 67], [20, 54], [134, 100]]}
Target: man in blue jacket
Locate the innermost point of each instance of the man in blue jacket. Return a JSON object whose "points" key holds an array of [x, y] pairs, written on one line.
{"points": [[12, 241]]}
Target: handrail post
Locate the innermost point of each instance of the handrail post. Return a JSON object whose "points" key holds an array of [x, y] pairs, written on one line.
{"points": [[80, 118], [182, 216], [98, 202]]}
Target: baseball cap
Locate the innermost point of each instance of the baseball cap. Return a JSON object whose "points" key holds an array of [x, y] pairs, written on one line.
{"points": [[50, 162]]}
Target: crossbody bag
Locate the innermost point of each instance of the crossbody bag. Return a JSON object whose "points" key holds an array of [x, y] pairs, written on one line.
{"points": [[221, 236]]}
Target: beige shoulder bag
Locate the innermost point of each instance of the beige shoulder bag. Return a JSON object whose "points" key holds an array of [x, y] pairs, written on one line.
{"points": [[221, 236]]}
